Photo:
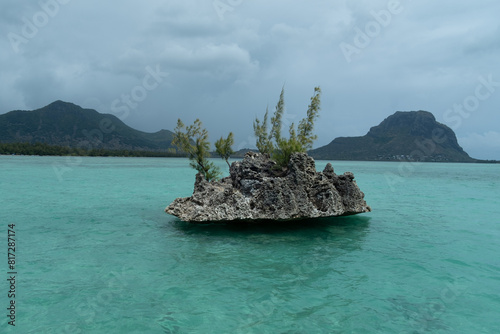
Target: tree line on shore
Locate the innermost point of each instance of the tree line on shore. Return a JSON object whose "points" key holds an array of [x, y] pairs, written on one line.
{"points": [[43, 149]]}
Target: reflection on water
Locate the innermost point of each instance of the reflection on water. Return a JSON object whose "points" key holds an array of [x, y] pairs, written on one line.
{"points": [[351, 223], [342, 232]]}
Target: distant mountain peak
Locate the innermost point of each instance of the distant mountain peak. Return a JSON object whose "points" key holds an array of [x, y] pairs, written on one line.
{"points": [[60, 103], [66, 124], [57, 102], [402, 135]]}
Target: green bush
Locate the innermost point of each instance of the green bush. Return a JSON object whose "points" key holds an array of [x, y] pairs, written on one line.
{"points": [[223, 147], [193, 140], [279, 148]]}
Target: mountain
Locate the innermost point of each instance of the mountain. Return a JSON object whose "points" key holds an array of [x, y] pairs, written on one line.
{"points": [[66, 124], [413, 135]]}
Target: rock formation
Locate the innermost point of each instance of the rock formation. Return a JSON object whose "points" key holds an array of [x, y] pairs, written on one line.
{"points": [[408, 135], [257, 190]]}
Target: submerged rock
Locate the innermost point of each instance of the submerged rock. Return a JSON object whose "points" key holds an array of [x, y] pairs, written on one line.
{"points": [[257, 190]]}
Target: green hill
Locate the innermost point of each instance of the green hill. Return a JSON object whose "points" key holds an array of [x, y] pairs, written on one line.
{"points": [[414, 135], [66, 124]]}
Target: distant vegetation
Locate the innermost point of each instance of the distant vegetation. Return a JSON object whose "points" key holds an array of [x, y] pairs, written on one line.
{"points": [[44, 149], [278, 147]]}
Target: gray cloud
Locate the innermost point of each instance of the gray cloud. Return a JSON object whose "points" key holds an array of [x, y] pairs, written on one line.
{"points": [[225, 69]]}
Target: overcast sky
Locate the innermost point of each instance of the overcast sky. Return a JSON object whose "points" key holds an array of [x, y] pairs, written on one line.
{"points": [[151, 62]]}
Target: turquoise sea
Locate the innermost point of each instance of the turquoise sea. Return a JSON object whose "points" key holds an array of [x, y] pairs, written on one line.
{"points": [[95, 253]]}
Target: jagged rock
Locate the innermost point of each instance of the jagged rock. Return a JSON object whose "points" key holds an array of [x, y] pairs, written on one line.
{"points": [[257, 190]]}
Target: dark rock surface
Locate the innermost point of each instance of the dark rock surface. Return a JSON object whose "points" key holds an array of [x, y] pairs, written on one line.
{"points": [[256, 190]]}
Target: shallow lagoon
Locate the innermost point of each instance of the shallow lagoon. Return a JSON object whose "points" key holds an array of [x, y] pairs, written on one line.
{"points": [[96, 253]]}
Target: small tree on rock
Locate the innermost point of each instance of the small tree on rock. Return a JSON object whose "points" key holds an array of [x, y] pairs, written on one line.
{"points": [[264, 143], [280, 149], [193, 140], [306, 125], [223, 147]]}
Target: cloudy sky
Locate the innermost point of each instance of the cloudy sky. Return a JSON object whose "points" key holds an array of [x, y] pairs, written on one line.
{"points": [[223, 61]]}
